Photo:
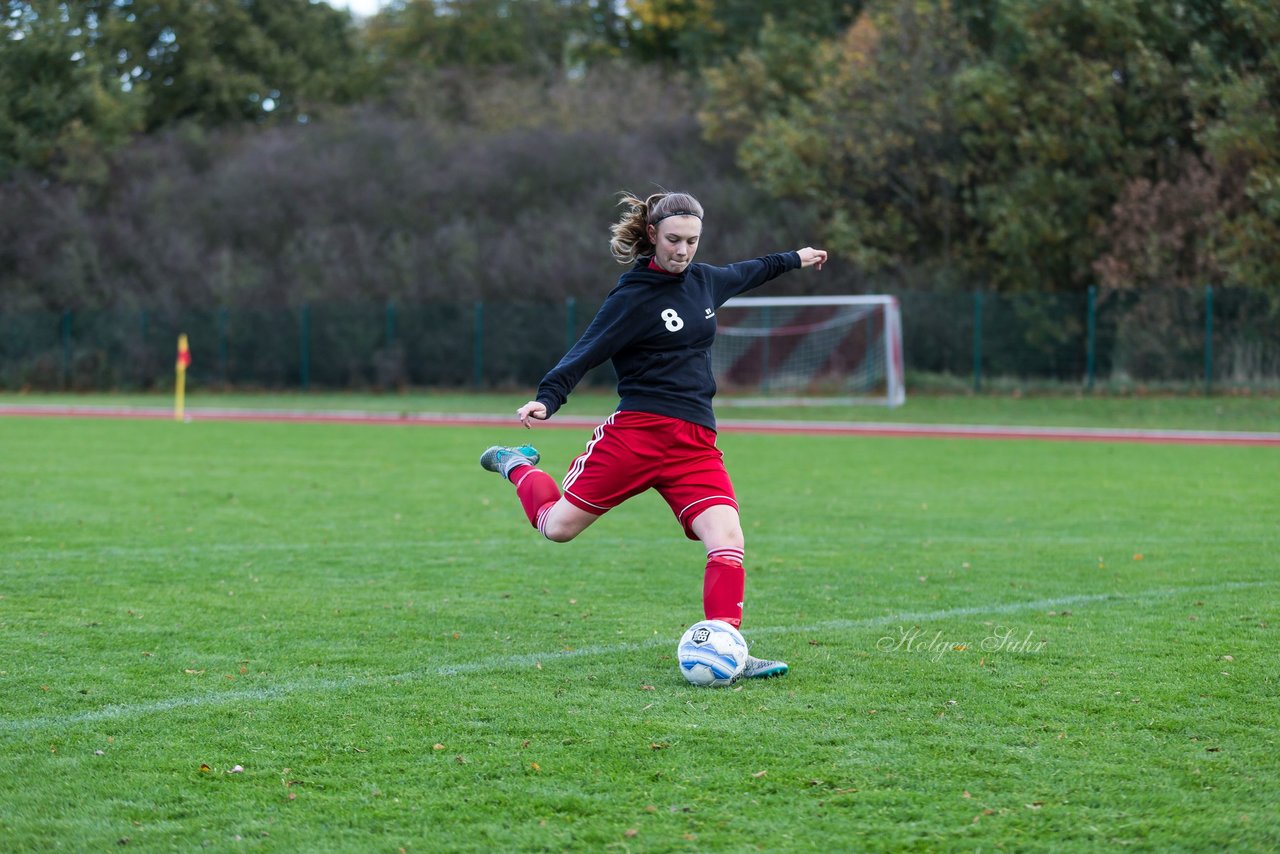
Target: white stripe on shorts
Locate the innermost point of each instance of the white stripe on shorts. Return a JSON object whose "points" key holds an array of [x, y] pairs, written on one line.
{"points": [[576, 469], [599, 507], [689, 506]]}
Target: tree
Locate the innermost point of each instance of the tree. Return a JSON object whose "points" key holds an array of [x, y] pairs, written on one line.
{"points": [[1215, 216], [1026, 146], [523, 36], [708, 33], [232, 60], [1067, 102], [60, 106], [1237, 121], [871, 141], [79, 76]]}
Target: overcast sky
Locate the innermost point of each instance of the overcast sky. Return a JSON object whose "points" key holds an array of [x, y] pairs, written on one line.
{"points": [[359, 7]]}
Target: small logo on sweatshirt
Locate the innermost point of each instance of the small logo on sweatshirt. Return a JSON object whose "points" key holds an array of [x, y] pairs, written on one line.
{"points": [[710, 314]]}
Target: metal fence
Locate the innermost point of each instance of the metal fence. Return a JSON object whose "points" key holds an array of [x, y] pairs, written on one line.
{"points": [[1215, 338]]}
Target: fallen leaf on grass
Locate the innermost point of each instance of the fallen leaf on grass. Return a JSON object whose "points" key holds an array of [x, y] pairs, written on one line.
{"points": [[1034, 805], [647, 688], [193, 672], [630, 832], [759, 774], [659, 745], [204, 769], [535, 766], [437, 746]]}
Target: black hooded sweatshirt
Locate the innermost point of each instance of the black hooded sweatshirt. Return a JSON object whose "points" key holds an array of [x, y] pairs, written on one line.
{"points": [[658, 328]]}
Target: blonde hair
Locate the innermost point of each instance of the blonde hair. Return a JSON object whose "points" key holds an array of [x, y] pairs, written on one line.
{"points": [[629, 236]]}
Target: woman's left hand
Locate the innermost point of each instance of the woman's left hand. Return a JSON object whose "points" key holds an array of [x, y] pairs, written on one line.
{"points": [[810, 257]]}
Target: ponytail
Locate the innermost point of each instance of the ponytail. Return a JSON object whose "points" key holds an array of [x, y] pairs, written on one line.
{"points": [[629, 236]]}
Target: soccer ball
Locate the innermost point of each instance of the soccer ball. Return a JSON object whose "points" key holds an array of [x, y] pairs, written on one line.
{"points": [[711, 653]]}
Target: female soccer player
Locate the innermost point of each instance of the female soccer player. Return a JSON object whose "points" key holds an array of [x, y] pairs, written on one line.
{"points": [[657, 325]]}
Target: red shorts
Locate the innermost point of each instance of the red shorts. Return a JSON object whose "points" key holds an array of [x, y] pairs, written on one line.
{"points": [[634, 451]]}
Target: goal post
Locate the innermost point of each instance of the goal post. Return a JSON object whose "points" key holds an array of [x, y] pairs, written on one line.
{"points": [[810, 350]]}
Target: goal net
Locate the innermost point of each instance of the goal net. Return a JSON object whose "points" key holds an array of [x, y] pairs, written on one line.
{"points": [[810, 350]]}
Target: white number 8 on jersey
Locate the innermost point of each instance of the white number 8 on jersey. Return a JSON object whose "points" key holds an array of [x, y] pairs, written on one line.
{"points": [[673, 320]]}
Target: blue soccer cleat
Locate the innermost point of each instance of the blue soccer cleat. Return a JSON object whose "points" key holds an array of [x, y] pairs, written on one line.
{"points": [[761, 668], [504, 460]]}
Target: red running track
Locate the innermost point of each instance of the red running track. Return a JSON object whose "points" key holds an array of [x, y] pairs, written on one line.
{"points": [[811, 428]]}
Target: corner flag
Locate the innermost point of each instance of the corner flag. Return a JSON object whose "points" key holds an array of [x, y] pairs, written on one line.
{"points": [[180, 387]]}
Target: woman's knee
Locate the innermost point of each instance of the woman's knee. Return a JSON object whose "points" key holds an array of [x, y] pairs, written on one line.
{"points": [[558, 532], [719, 527], [563, 522], [726, 538]]}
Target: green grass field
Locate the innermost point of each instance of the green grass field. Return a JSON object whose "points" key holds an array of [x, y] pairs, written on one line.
{"points": [[994, 645]]}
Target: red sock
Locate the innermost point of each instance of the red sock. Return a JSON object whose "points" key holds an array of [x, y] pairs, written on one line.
{"points": [[722, 590], [537, 491]]}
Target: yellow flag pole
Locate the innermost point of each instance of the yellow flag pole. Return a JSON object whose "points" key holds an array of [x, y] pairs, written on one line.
{"points": [[180, 387]]}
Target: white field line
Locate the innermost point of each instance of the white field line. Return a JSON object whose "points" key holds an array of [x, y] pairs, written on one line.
{"points": [[548, 659]]}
